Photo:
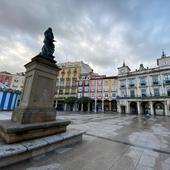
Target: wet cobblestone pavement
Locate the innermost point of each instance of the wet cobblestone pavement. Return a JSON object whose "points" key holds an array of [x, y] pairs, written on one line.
{"points": [[112, 142]]}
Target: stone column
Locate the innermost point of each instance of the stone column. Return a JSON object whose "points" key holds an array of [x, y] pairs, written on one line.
{"points": [[128, 108], [162, 85], [151, 108], [166, 108], [81, 107], [89, 107], [118, 107], [102, 105], [95, 105], [110, 106], [139, 108], [56, 104], [65, 107]]}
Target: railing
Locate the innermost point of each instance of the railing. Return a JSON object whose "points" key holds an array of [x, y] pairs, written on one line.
{"points": [[144, 97], [122, 86], [131, 85], [155, 83], [166, 81]]}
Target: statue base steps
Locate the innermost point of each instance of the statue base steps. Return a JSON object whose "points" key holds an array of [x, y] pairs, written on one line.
{"points": [[13, 153], [12, 132]]}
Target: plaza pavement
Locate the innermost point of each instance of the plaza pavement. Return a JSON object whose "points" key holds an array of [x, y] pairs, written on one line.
{"points": [[112, 142]]}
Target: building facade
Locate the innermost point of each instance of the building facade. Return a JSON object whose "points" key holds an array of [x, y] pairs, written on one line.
{"points": [[67, 81], [6, 78], [12, 81], [146, 90], [17, 81], [103, 92]]}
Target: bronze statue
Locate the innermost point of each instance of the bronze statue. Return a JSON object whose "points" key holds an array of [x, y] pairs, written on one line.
{"points": [[48, 47]]}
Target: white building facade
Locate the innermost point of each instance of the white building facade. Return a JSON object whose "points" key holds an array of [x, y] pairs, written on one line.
{"points": [[146, 90]]}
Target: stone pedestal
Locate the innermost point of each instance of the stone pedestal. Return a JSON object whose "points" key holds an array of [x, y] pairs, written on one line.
{"points": [[35, 117], [38, 95]]}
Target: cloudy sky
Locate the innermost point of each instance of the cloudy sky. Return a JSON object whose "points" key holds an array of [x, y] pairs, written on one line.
{"points": [[101, 33]]}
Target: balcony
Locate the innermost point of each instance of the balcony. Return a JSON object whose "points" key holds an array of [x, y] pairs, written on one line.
{"points": [[131, 85], [61, 86], [86, 90], [154, 83], [80, 84], [86, 84], [167, 82], [73, 84], [122, 86], [143, 84]]}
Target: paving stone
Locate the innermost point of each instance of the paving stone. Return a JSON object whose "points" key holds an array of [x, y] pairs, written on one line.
{"points": [[114, 142], [54, 166]]}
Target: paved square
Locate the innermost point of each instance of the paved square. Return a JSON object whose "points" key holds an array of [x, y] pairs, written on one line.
{"points": [[112, 142]]}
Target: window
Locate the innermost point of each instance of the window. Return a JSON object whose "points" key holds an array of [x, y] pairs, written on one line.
{"points": [[86, 82], [168, 92], [86, 94], [142, 81], [80, 89], [155, 80], [57, 83], [92, 89], [99, 82], [92, 95], [106, 95], [106, 83], [73, 83], [73, 91], [86, 89], [67, 83], [131, 82], [79, 95], [132, 93], [123, 83], [123, 93], [60, 91], [93, 83], [80, 83], [113, 95], [67, 91], [99, 88], [167, 78], [143, 92], [99, 95], [106, 88], [156, 91], [62, 83]]}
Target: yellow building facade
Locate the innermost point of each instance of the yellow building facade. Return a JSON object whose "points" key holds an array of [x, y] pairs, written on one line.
{"points": [[67, 80]]}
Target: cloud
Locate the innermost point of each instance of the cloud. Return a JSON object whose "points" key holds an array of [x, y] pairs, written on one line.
{"points": [[100, 32]]}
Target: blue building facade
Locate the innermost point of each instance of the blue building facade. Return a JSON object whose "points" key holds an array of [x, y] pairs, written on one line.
{"points": [[9, 100]]}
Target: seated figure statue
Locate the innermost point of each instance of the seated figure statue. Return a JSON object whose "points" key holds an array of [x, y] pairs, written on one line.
{"points": [[48, 47]]}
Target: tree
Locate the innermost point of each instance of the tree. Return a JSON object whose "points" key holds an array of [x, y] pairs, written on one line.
{"points": [[71, 101], [84, 101]]}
